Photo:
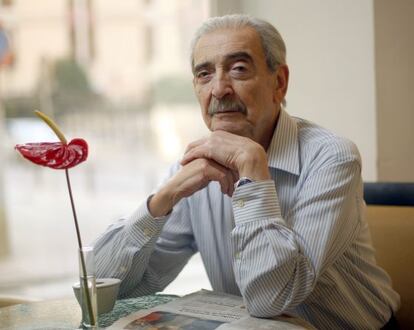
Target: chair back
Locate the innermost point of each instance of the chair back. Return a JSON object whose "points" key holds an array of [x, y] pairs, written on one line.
{"points": [[390, 215]]}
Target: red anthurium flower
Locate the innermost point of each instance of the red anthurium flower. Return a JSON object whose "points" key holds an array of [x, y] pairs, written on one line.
{"points": [[56, 155], [62, 155]]}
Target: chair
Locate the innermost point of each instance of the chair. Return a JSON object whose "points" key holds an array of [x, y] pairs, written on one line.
{"points": [[390, 215], [392, 194], [8, 300]]}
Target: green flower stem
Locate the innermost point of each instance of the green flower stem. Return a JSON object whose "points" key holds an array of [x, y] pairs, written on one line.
{"points": [[83, 265]]}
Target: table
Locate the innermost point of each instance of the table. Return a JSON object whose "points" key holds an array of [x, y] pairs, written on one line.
{"points": [[66, 314]]}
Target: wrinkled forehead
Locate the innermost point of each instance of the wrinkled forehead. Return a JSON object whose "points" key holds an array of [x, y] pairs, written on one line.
{"points": [[215, 46]]}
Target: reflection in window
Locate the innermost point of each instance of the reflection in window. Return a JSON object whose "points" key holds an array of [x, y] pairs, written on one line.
{"points": [[6, 3]]}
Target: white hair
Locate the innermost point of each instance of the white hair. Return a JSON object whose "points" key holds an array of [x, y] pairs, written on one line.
{"points": [[273, 45]]}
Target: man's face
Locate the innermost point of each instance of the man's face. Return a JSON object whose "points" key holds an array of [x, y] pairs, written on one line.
{"points": [[236, 91]]}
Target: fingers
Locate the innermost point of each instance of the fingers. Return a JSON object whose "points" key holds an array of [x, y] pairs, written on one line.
{"points": [[196, 149], [212, 148], [194, 144], [222, 147], [197, 174], [194, 152], [216, 172]]}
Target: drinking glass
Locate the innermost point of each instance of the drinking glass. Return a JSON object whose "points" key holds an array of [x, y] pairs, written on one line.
{"points": [[87, 279]]}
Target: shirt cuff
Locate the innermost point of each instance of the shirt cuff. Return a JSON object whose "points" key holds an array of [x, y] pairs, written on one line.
{"points": [[256, 200], [142, 226]]}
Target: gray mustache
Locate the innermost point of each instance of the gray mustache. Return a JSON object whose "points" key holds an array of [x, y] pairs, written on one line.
{"points": [[224, 105]]}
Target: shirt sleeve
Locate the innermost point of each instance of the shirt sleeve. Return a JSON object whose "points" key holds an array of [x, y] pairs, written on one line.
{"points": [[278, 260], [146, 253]]}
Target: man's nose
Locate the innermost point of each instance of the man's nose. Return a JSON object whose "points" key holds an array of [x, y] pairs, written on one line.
{"points": [[221, 86]]}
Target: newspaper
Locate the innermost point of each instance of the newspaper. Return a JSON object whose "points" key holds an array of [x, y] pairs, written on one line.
{"points": [[204, 310]]}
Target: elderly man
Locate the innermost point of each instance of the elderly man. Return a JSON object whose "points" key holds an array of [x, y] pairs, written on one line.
{"points": [[273, 203]]}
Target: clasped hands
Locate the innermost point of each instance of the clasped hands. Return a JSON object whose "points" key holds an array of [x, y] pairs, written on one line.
{"points": [[221, 157]]}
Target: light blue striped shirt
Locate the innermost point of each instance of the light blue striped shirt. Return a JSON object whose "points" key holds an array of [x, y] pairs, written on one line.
{"points": [[298, 243]]}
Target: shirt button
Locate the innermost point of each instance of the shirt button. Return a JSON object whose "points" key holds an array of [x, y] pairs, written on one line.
{"points": [[237, 255], [240, 203], [147, 232]]}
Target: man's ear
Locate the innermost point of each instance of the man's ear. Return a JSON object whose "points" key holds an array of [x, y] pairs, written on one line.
{"points": [[282, 81]]}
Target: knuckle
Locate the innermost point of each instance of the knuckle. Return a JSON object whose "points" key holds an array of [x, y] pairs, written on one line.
{"points": [[204, 166], [209, 144], [203, 163]]}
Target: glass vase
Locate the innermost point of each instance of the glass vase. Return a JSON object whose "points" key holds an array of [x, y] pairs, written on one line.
{"points": [[87, 279]]}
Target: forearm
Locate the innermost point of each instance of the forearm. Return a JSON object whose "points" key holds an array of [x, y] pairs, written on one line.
{"points": [[272, 273], [124, 250], [160, 204], [141, 252], [282, 256], [278, 278]]}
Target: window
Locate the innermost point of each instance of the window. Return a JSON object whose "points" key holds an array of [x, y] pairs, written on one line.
{"points": [[122, 83]]}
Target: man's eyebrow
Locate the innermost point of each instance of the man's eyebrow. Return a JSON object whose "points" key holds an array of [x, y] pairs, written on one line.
{"points": [[239, 56], [201, 66], [228, 58]]}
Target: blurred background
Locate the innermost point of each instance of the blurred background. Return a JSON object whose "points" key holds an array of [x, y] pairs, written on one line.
{"points": [[117, 73]]}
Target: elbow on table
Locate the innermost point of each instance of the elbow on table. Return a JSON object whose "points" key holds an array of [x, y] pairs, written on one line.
{"points": [[265, 307], [274, 303], [272, 293], [263, 311]]}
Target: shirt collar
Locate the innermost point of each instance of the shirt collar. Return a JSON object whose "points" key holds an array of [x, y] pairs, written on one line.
{"points": [[283, 151]]}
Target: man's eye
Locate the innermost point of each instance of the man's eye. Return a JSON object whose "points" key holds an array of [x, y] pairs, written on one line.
{"points": [[202, 74], [240, 68]]}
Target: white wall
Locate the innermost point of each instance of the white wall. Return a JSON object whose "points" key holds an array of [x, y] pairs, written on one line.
{"points": [[330, 52], [394, 49]]}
